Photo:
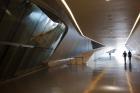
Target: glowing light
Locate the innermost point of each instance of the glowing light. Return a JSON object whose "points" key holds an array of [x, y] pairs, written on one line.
{"points": [[119, 53], [112, 88], [94, 83], [8, 12], [69, 10], [129, 83], [35, 15], [73, 18], [133, 26], [107, 0], [133, 52]]}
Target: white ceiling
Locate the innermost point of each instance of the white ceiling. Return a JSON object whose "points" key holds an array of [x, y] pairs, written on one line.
{"points": [[106, 22]]}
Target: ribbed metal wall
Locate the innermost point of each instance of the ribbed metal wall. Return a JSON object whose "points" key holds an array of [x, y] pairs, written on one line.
{"points": [[27, 37]]}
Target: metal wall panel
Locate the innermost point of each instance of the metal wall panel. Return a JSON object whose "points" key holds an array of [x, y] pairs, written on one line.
{"points": [[21, 23]]}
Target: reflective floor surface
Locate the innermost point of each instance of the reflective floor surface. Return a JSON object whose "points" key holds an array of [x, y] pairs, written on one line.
{"points": [[104, 75]]}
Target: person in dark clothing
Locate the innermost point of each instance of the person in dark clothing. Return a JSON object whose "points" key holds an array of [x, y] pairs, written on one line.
{"points": [[129, 56], [124, 55], [109, 55]]}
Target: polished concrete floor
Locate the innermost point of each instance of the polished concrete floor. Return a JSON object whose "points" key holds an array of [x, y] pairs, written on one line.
{"points": [[104, 75]]}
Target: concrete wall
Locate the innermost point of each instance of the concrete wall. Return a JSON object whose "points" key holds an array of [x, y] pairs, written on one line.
{"points": [[133, 42]]}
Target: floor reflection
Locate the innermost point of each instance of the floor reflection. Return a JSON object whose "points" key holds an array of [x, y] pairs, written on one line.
{"points": [[125, 66], [99, 76], [129, 66]]}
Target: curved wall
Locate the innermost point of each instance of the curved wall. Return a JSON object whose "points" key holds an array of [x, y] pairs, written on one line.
{"points": [[27, 37], [30, 34], [73, 43]]}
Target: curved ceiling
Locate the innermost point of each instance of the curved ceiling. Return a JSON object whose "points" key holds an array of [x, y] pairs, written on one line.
{"points": [[106, 21]]}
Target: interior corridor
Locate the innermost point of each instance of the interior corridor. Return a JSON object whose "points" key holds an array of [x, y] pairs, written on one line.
{"points": [[39, 37], [104, 75]]}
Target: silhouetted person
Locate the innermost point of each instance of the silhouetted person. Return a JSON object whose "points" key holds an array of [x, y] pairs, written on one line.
{"points": [[109, 55], [124, 55], [129, 56]]}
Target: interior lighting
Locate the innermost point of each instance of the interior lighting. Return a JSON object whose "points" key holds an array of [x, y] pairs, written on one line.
{"points": [[137, 20], [8, 12], [73, 18], [112, 88], [107, 0]]}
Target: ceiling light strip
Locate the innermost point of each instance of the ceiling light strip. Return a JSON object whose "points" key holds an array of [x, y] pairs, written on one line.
{"points": [[137, 20], [69, 10], [73, 18]]}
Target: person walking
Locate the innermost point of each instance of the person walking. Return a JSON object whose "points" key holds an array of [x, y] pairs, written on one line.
{"points": [[129, 56], [109, 55], [124, 55]]}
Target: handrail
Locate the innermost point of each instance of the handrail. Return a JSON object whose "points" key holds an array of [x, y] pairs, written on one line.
{"points": [[21, 45], [16, 44]]}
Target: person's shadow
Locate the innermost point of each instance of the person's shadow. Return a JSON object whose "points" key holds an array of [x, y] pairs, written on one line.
{"points": [[130, 67], [125, 66]]}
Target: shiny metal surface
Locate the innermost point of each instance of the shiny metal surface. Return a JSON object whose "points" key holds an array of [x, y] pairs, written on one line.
{"points": [[28, 37], [73, 43], [102, 76], [31, 32]]}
